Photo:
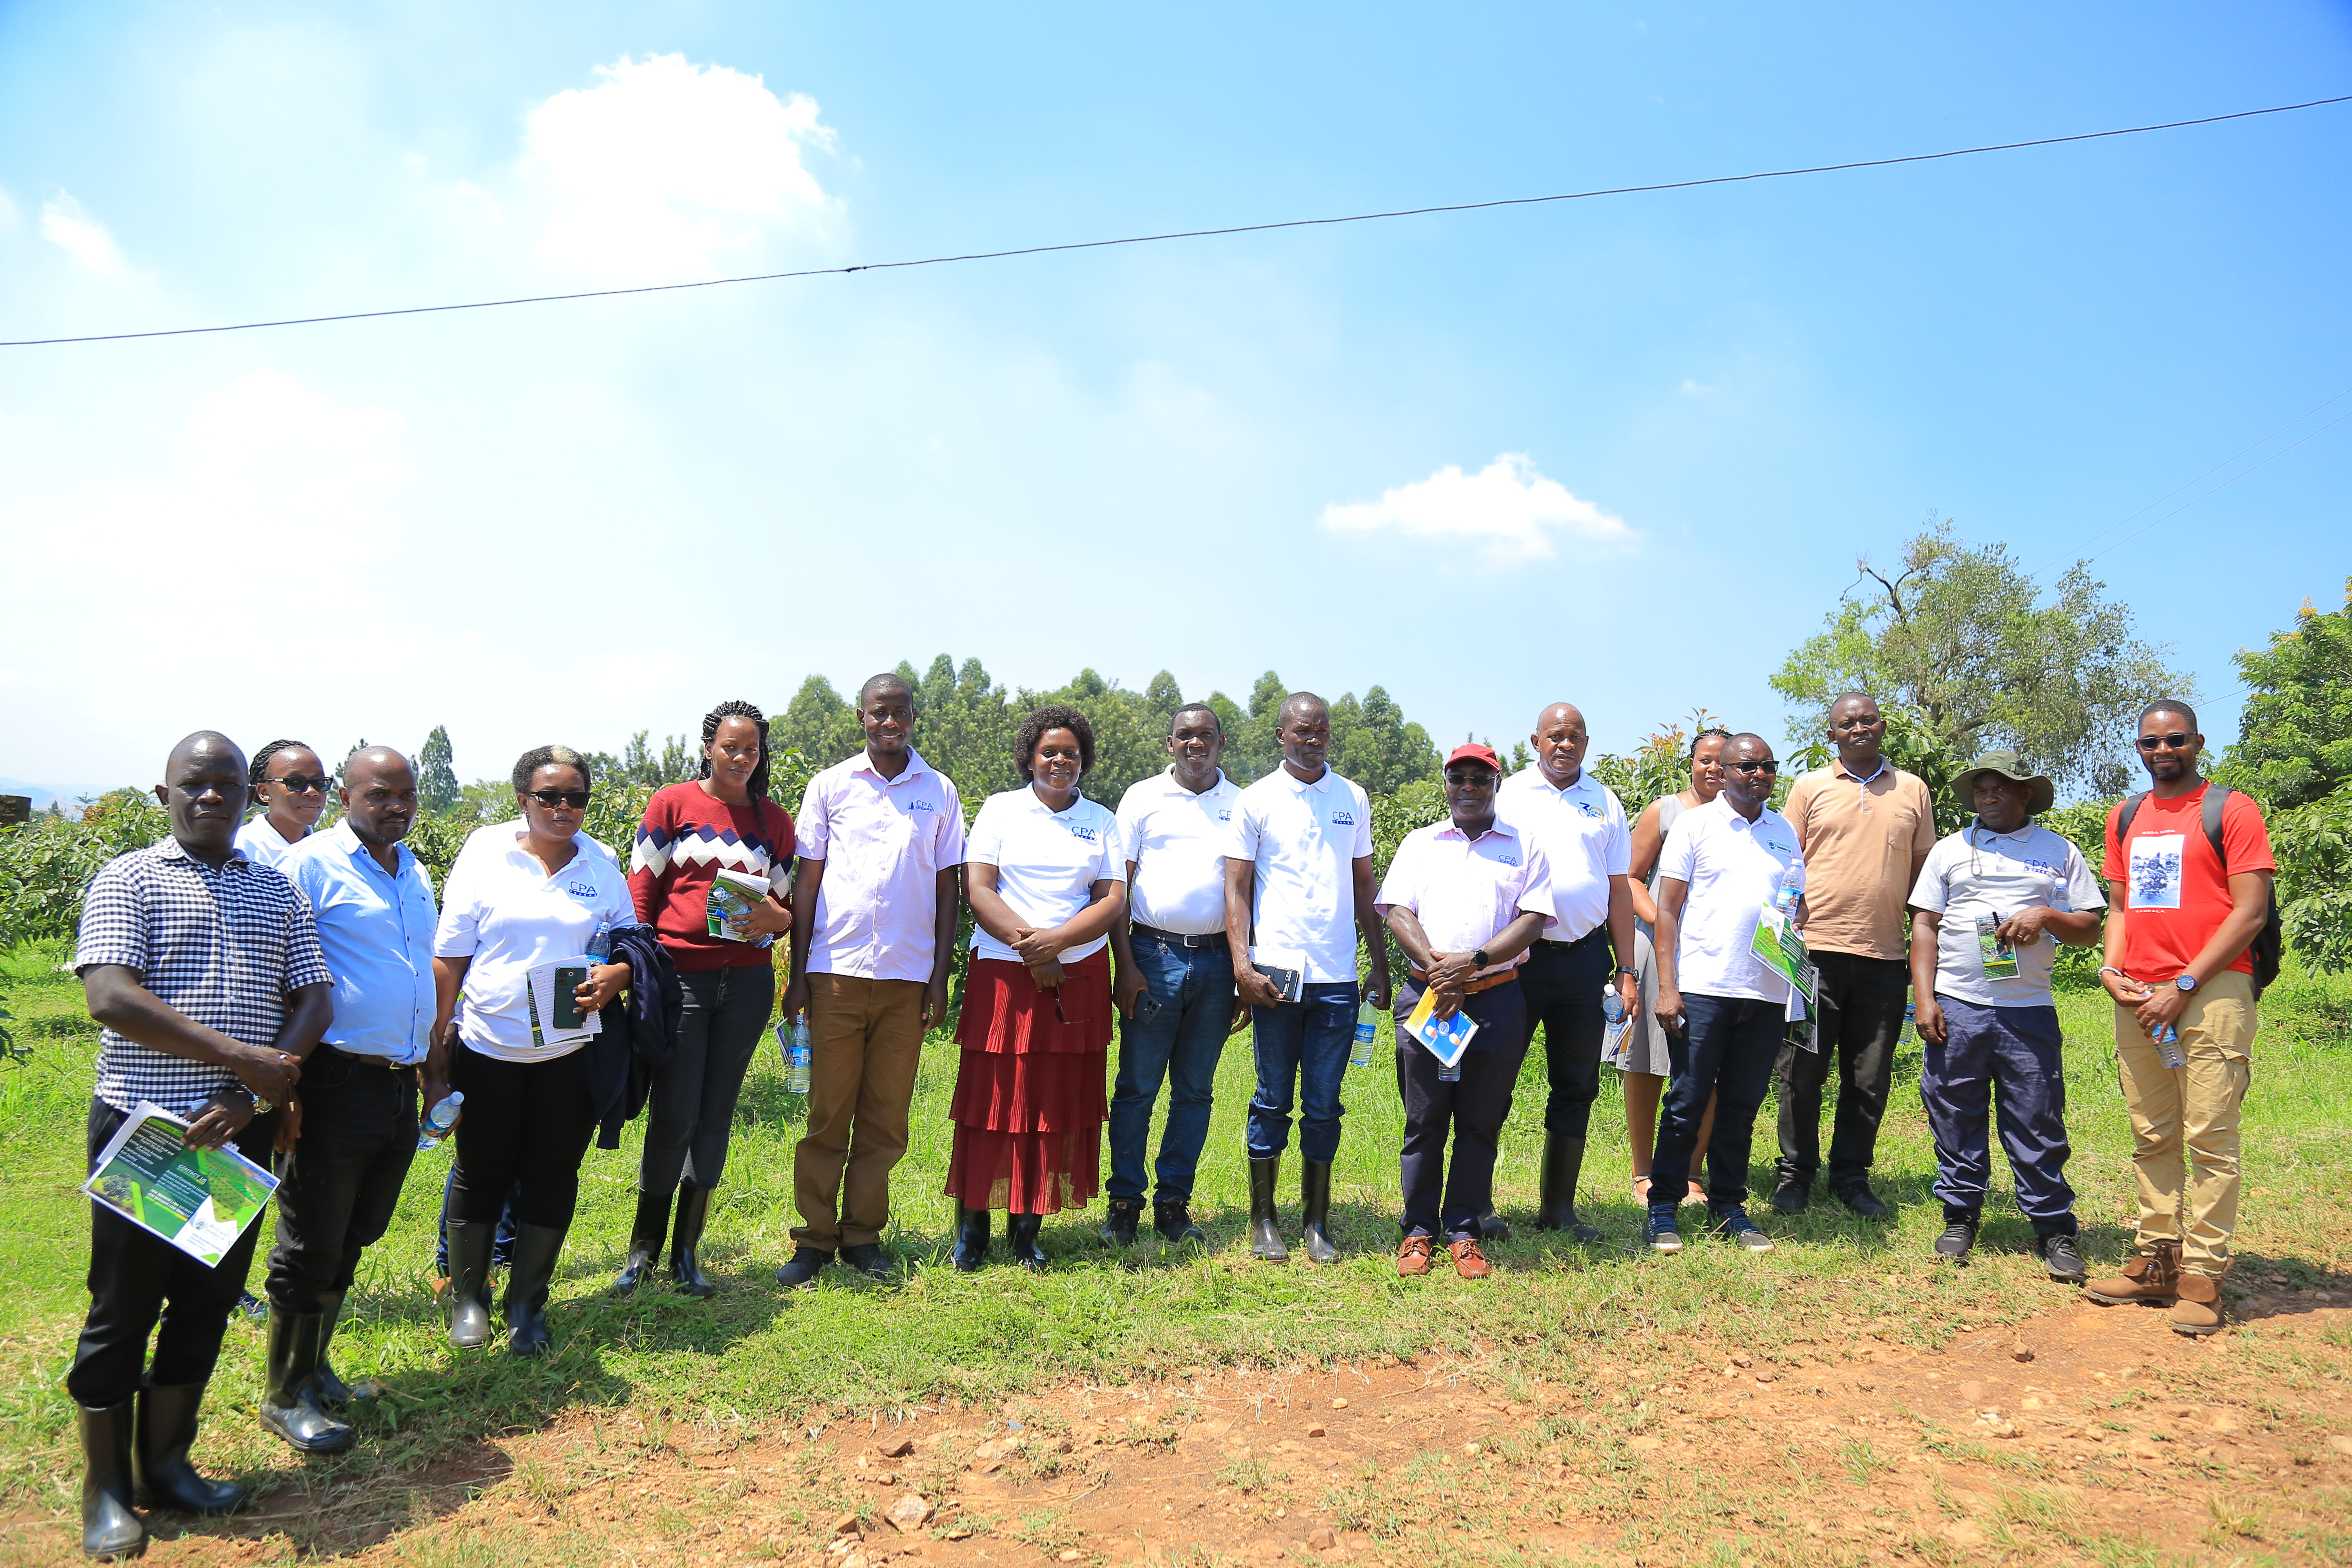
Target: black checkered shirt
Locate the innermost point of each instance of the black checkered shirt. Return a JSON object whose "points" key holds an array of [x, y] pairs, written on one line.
{"points": [[223, 947]]}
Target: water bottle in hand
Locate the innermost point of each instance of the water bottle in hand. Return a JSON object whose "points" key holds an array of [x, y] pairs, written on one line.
{"points": [[1367, 1027], [440, 1120], [793, 1035], [2168, 1047], [1616, 1026], [600, 946], [1791, 889]]}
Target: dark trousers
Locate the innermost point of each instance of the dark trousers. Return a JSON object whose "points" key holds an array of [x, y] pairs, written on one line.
{"points": [[338, 1185], [1725, 1049], [2016, 1052], [1303, 1043], [140, 1285], [1563, 982], [720, 1020], [526, 1126], [1442, 1200], [1192, 993], [1861, 1004]]}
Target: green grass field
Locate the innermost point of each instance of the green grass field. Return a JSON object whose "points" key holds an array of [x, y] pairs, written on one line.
{"points": [[757, 1352]]}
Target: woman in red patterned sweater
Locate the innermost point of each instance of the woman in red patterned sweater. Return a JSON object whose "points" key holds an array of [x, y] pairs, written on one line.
{"points": [[723, 820]]}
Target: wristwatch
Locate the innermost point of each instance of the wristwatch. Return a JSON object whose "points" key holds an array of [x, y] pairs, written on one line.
{"points": [[2187, 981], [1479, 958]]}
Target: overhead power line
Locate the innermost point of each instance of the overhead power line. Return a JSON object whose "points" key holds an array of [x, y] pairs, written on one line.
{"points": [[1182, 234]]}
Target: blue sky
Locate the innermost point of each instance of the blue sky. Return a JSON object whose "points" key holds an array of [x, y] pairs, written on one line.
{"points": [[1672, 421]]}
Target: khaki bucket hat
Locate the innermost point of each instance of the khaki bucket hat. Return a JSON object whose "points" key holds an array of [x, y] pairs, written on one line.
{"points": [[2009, 765]]}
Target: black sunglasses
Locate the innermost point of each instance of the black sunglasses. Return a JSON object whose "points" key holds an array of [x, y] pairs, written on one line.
{"points": [[575, 798], [1753, 767], [1460, 777], [302, 786], [2177, 741]]}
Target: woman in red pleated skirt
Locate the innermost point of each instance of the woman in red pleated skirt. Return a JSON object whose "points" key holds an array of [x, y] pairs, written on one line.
{"points": [[1047, 877]]}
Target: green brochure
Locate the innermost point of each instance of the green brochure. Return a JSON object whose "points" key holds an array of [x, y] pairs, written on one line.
{"points": [[199, 1200], [1776, 941], [2000, 957]]}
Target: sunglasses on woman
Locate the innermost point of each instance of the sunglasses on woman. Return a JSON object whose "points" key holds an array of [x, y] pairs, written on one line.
{"points": [[297, 784], [577, 799]]}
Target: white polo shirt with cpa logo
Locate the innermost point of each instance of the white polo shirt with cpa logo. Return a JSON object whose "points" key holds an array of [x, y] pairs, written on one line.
{"points": [[1732, 866], [1583, 833], [1047, 863], [1177, 840], [1304, 839], [502, 910]]}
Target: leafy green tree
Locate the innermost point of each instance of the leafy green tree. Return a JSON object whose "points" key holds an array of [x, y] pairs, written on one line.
{"points": [[436, 772], [818, 723], [2294, 743], [1372, 743], [1961, 635]]}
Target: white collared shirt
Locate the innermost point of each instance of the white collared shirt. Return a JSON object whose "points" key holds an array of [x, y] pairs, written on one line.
{"points": [[1047, 863], [1734, 867], [1974, 872], [1464, 890], [883, 843], [502, 910], [1583, 834], [1304, 840], [1177, 840], [260, 840]]}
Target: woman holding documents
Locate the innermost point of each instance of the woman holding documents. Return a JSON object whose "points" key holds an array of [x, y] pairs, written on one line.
{"points": [[709, 874], [519, 974], [1045, 876], [1464, 898]]}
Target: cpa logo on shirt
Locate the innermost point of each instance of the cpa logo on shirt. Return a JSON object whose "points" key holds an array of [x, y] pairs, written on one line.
{"points": [[1225, 816], [1505, 857], [1343, 820], [1087, 833], [581, 890], [918, 803]]}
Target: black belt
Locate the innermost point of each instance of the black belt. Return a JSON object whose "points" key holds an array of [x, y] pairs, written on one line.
{"points": [[1177, 938], [384, 1063]]}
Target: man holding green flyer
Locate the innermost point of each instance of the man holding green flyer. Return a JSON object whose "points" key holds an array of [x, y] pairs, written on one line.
{"points": [[1988, 913], [204, 971]]}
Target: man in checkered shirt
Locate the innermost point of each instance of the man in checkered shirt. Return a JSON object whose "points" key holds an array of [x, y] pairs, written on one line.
{"points": [[204, 969]]}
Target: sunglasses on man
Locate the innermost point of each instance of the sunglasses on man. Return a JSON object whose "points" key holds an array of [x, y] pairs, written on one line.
{"points": [[577, 799], [1754, 767], [2175, 742]]}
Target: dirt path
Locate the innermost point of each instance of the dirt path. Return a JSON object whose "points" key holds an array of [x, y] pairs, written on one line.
{"points": [[2084, 1435]]}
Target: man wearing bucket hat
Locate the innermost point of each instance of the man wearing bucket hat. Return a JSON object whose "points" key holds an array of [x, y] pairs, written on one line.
{"points": [[1988, 911]]}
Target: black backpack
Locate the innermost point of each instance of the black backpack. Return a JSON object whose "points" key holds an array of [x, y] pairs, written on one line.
{"points": [[2270, 940]]}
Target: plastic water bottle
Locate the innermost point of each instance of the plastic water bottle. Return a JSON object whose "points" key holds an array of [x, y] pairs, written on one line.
{"points": [[1367, 1029], [600, 946], [1450, 1072], [1616, 1026], [2168, 1047], [1910, 1024], [1791, 889], [792, 1037], [440, 1120]]}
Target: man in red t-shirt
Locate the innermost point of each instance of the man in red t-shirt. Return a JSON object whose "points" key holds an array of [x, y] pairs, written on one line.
{"points": [[2182, 973]]}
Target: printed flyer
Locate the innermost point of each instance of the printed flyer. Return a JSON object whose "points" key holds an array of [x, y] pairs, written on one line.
{"points": [[199, 1200]]}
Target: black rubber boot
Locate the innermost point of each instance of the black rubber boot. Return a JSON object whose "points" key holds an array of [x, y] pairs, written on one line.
{"points": [[1266, 1225], [1021, 1233], [469, 1284], [1563, 1164], [536, 1248], [166, 1429], [1315, 1197], [334, 1394], [289, 1401], [1492, 1226], [1172, 1218], [108, 1527], [1118, 1227], [693, 1209], [971, 1239], [646, 1233]]}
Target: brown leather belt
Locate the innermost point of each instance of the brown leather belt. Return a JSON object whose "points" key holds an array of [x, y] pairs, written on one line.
{"points": [[1487, 983]]}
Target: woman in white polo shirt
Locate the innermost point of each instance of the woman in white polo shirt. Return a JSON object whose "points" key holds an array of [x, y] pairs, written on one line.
{"points": [[1047, 877], [526, 895]]}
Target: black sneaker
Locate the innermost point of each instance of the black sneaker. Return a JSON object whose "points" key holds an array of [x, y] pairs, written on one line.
{"points": [[1959, 1234], [801, 1270], [1742, 1232], [1659, 1229], [1790, 1196], [1119, 1230], [2062, 1259], [1864, 1202], [869, 1260], [1173, 1221]]}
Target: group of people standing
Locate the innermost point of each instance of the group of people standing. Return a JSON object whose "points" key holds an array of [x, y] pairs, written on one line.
{"points": [[297, 994]]}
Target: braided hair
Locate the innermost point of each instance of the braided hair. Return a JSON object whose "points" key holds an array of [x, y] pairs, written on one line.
{"points": [[732, 710], [1716, 730], [258, 771]]}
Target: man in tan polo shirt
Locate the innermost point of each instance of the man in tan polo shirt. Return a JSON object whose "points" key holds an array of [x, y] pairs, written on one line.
{"points": [[1865, 828]]}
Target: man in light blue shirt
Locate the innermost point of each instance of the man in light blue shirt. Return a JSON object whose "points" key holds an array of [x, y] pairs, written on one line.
{"points": [[351, 1130]]}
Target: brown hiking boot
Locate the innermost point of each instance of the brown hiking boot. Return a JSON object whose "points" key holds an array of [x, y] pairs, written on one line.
{"points": [[2198, 1309], [2150, 1280]]}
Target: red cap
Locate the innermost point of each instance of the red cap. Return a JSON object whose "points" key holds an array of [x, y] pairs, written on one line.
{"points": [[1471, 752]]}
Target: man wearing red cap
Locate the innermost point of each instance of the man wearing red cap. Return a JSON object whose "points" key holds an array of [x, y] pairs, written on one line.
{"points": [[1464, 898]]}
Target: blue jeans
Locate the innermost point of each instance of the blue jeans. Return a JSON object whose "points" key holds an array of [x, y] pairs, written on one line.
{"points": [[1728, 1049], [1303, 1043], [2017, 1051], [1192, 988]]}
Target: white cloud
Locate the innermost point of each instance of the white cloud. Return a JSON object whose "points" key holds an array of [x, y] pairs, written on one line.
{"points": [[1507, 511], [66, 224], [664, 170]]}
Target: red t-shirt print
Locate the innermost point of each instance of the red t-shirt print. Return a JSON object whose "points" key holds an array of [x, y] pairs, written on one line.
{"points": [[686, 838], [2174, 893]]}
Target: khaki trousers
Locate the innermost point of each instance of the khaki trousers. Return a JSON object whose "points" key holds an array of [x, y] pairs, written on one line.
{"points": [[2185, 1121], [865, 1037]]}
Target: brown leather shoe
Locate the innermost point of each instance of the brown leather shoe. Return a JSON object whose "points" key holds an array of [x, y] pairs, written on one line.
{"points": [[2150, 1280], [1469, 1258], [1413, 1255], [2198, 1310]]}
